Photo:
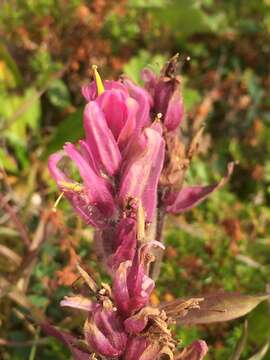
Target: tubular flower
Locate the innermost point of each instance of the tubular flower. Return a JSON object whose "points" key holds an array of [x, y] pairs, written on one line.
{"points": [[165, 94], [132, 286], [104, 332]]}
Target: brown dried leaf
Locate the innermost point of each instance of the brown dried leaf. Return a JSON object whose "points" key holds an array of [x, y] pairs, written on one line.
{"points": [[221, 306], [87, 278]]}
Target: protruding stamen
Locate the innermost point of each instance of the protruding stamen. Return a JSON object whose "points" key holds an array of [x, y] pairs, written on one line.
{"points": [[71, 186], [57, 201], [99, 84]]}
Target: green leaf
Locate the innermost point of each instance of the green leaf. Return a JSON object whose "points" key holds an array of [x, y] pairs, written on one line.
{"points": [[20, 113], [134, 67], [58, 94], [70, 129], [183, 17]]}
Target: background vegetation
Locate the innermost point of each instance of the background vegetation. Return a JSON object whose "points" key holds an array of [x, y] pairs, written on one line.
{"points": [[46, 48]]}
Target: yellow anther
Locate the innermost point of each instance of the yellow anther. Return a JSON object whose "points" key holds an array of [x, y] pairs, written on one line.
{"points": [[71, 186], [57, 202], [100, 87]]}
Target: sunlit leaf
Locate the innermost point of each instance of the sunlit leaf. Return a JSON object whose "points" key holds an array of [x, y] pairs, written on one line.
{"points": [[222, 306]]}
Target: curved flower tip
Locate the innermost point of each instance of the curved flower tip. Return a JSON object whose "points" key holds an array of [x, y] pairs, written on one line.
{"points": [[195, 351], [132, 286], [136, 323], [125, 243], [105, 334], [143, 99], [190, 196], [100, 139], [92, 199], [78, 302], [141, 348], [90, 92], [165, 93]]}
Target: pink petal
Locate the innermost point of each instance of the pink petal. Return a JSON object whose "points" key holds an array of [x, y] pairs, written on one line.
{"points": [[79, 200], [140, 176], [78, 302], [87, 154], [99, 342], [144, 100], [128, 130], [150, 80], [113, 105], [175, 111], [120, 289], [141, 348], [137, 323], [125, 243], [105, 333], [100, 139], [191, 196], [90, 91], [96, 187]]}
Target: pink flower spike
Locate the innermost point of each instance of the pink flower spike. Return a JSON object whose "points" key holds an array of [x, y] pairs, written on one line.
{"points": [[100, 139], [191, 196]]}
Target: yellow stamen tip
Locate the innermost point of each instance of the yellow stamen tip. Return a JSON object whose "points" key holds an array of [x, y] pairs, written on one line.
{"points": [[71, 186], [99, 84]]}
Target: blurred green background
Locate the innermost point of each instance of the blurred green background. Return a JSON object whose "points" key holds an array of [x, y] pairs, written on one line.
{"points": [[46, 49]]}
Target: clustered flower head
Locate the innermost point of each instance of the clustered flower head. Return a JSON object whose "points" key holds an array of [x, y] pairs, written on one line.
{"points": [[132, 165]]}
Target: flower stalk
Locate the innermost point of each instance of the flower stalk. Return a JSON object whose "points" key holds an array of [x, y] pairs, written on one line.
{"points": [[132, 163]]}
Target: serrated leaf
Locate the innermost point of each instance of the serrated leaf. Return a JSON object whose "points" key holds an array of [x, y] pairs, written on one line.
{"points": [[221, 306]]}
